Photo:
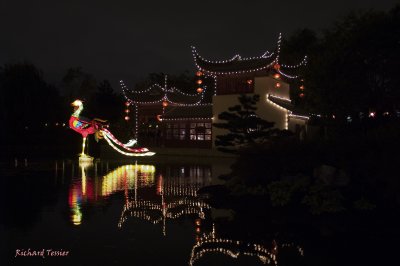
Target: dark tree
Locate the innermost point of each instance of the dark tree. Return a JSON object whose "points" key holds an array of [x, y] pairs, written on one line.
{"points": [[27, 100], [352, 65], [244, 127], [78, 84], [106, 103]]}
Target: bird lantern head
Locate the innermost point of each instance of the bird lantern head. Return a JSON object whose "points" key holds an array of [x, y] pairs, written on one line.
{"points": [[76, 104]]}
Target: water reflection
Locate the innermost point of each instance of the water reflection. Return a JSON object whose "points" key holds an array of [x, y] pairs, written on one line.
{"points": [[158, 194], [173, 196], [128, 177], [123, 178], [210, 243], [79, 192]]}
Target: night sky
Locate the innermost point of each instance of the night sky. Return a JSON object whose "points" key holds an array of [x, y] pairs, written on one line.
{"points": [[128, 39]]}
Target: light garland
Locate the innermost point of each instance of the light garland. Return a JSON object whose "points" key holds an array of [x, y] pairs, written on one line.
{"points": [[237, 57], [186, 118], [211, 244], [136, 121], [266, 55], [164, 98], [299, 116], [279, 98], [287, 112]]}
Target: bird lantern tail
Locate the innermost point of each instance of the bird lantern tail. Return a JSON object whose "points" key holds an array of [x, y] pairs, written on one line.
{"points": [[126, 148]]}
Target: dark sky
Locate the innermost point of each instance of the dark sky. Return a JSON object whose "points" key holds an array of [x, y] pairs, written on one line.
{"points": [[128, 39]]}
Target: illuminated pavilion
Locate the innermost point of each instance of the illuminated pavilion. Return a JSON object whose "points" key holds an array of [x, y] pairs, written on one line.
{"points": [[185, 120]]}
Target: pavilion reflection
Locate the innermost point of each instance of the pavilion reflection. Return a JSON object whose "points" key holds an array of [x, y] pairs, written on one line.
{"points": [[174, 196], [210, 243]]}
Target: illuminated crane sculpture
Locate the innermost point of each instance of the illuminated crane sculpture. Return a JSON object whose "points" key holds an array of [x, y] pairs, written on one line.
{"points": [[99, 129]]}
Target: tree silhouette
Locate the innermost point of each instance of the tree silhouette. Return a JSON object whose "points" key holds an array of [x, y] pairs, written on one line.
{"points": [[244, 127]]}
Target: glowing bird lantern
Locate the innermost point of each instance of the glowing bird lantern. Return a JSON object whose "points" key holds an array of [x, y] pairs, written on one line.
{"points": [[249, 81], [199, 73], [127, 111], [277, 66], [127, 103], [127, 118], [199, 81], [278, 85], [199, 90], [165, 103], [277, 76], [302, 87]]}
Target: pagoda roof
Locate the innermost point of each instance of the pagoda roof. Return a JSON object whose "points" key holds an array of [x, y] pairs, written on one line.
{"points": [[243, 65], [235, 65], [156, 94], [196, 111]]}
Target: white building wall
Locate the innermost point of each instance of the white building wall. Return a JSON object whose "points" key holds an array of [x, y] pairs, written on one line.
{"points": [[265, 109]]}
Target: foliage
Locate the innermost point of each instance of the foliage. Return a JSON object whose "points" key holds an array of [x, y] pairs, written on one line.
{"points": [[27, 100], [352, 65], [78, 84], [282, 192], [244, 127]]}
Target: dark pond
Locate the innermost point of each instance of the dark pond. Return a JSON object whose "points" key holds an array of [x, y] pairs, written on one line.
{"points": [[134, 213]]}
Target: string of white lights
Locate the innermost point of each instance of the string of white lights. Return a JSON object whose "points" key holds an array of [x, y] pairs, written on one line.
{"points": [[165, 95], [126, 153], [279, 98], [116, 141], [299, 116], [274, 62], [237, 57]]}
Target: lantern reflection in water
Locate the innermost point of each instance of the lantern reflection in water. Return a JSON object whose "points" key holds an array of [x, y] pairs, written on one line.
{"points": [[122, 178], [79, 191]]}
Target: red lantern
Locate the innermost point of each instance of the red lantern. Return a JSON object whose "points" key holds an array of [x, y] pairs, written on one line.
{"points": [[277, 66], [199, 90], [302, 87], [127, 103], [199, 81], [301, 95], [127, 111], [277, 76], [278, 85], [165, 103], [249, 81], [126, 118], [199, 73]]}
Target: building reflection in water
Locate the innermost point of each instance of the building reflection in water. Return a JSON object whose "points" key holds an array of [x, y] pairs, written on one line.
{"points": [[210, 243], [174, 195], [168, 195]]}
